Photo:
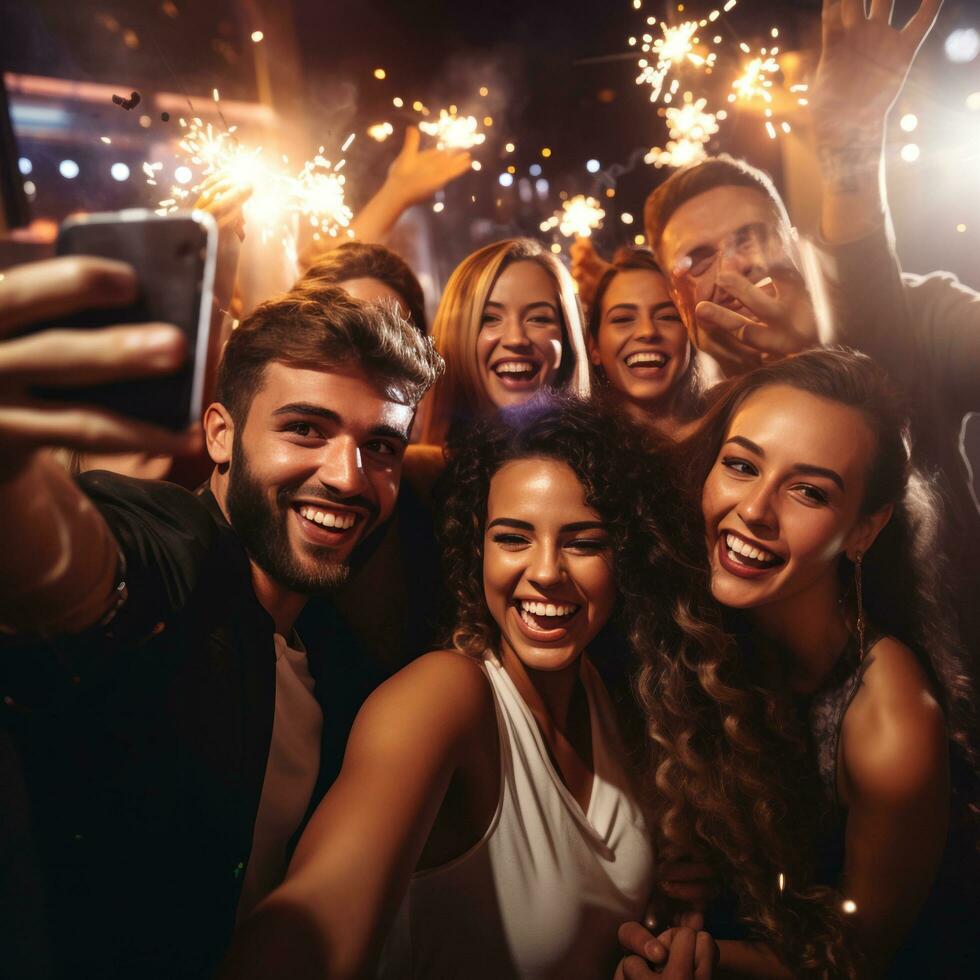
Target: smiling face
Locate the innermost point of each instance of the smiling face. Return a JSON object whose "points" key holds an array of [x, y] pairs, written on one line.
{"points": [[314, 469], [547, 565], [783, 499], [642, 346], [519, 347], [725, 229]]}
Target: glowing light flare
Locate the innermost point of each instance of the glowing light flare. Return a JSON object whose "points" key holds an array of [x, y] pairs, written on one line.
{"points": [[580, 216], [848, 906], [756, 79], [380, 131], [316, 192], [690, 127], [257, 36], [677, 153], [454, 132]]}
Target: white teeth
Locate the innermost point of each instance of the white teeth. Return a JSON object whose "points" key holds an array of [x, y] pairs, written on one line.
{"points": [[341, 522], [654, 358], [514, 367], [736, 546], [546, 608]]}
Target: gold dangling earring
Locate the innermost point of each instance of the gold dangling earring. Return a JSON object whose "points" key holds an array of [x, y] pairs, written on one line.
{"points": [[860, 603]]}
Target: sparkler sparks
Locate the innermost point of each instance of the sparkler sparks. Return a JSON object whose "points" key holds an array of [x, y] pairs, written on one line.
{"points": [[690, 127], [756, 83], [580, 216], [677, 47], [756, 79], [316, 192], [452, 131]]}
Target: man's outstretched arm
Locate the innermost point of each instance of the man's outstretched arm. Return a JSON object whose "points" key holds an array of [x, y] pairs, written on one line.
{"points": [[58, 563]]}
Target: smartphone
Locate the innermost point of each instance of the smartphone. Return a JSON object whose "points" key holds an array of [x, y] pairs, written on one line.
{"points": [[174, 257]]}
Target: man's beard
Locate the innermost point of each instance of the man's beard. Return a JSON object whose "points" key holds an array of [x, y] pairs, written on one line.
{"points": [[263, 530]]}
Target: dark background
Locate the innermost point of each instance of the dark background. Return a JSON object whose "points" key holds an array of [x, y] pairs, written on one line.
{"points": [[557, 78]]}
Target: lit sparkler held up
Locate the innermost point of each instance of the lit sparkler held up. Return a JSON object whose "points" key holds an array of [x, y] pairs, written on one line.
{"points": [[580, 216]]}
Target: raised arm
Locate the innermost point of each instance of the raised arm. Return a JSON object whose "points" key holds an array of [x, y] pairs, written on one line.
{"points": [[413, 176], [861, 53], [58, 561], [354, 861]]}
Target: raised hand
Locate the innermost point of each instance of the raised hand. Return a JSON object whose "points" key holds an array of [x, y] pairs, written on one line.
{"points": [[417, 174], [41, 291], [863, 65], [779, 321], [225, 199]]}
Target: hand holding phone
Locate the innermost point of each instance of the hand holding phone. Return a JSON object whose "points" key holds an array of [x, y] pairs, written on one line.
{"points": [[38, 293]]}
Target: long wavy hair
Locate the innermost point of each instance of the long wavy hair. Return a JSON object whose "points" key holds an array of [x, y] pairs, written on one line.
{"points": [[662, 609], [460, 394], [688, 402], [734, 773]]}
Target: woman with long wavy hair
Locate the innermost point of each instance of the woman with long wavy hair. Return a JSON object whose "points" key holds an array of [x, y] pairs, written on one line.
{"points": [[809, 760], [508, 325], [486, 819]]}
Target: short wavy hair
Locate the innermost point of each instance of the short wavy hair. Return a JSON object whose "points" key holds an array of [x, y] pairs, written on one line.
{"points": [[325, 326]]}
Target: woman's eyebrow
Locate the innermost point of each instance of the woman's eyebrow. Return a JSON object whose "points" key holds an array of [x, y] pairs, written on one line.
{"points": [[511, 522], [582, 526], [805, 468]]}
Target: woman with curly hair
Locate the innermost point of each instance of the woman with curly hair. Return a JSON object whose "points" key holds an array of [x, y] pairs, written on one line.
{"points": [[642, 356], [508, 325], [485, 816], [810, 760]]}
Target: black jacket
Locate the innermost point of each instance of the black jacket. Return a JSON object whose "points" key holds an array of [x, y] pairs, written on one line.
{"points": [[142, 746]]}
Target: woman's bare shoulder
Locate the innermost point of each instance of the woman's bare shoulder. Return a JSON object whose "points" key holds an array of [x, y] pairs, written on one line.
{"points": [[894, 732], [444, 688]]}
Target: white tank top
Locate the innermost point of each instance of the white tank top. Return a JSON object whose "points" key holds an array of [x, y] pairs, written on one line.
{"points": [[544, 891]]}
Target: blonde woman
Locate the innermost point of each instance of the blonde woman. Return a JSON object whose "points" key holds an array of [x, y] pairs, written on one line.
{"points": [[508, 325]]}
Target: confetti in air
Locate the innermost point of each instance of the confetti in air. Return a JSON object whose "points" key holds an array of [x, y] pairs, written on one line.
{"points": [[131, 103], [454, 132], [580, 216]]}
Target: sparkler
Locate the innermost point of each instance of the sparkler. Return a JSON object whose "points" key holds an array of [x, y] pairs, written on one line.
{"points": [[316, 192], [452, 131], [690, 127], [580, 216], [756, 79], [677, 47], [756, 83]]}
